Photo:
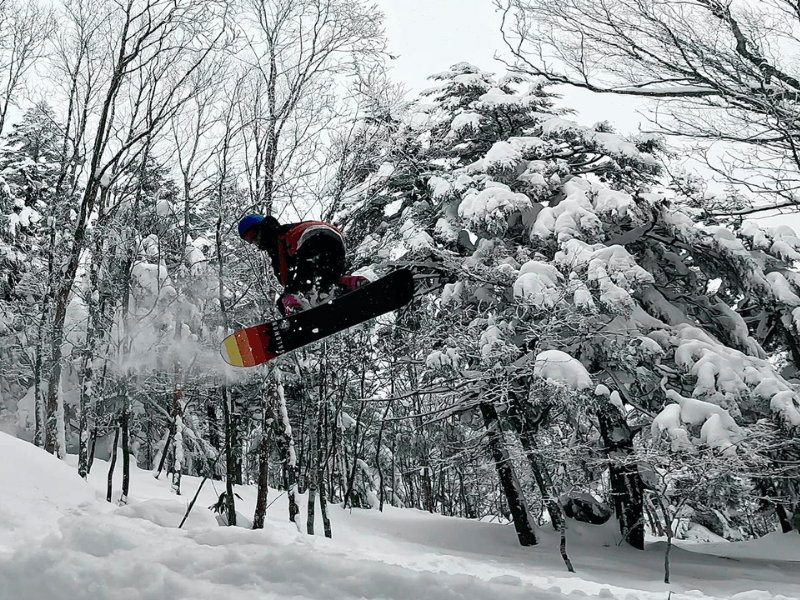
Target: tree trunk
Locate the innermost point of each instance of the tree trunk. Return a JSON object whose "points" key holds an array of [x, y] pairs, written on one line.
{"points": [[351, 480], [330, 453], [39, 412], [562, 547], [213, 425], [655, 523], [92, 445], [783, 518], [273, 137], [237, 448], [84, 424], [285, 442], [46, 317], [378, 453], [55, 432], [263, 465], [520, 514], [177, 409], [380, 439], [167, 443], [527, 426], [263, 481], [323, 503], [627, 489], [344, 468], [112, 465], [427, 491], [230, 503], [177, 442], [313, 471], [469, 509], [312, 499], [334, 456], [393, 500], [545, 485], [670, 535], [409, 481], [126, 455], [302, 468], [38, 396]]}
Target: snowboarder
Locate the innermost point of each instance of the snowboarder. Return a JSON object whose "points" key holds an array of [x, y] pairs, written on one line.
{"points": [[305, 256]]}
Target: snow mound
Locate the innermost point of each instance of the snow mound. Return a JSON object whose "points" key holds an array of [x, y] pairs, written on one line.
{"points": [[440, 187], [36, 490], [440, 359], [167, 513], [573, 217], [724, 374], [497, 97]]}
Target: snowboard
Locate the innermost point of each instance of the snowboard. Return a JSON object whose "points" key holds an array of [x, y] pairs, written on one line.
{"points": [[261, 343]]}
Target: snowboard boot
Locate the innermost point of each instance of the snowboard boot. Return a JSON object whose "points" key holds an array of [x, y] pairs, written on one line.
{"points": [[352, 282], [291, 304]]}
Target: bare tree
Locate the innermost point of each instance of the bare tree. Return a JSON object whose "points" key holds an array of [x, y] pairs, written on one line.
{"points": [[25, 28], [152, 49], [718, 71], [295, 49], [358, 146], [195, 131]]}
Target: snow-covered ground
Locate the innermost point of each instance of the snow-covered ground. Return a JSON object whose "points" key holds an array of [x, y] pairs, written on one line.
{"points": [[59, 539]]}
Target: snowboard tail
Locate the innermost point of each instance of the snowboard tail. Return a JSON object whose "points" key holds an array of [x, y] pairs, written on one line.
{"points": [[261, 343], [247, 347]]}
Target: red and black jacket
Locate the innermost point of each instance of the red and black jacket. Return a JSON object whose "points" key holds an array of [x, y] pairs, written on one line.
{"points": [[283, 242]]}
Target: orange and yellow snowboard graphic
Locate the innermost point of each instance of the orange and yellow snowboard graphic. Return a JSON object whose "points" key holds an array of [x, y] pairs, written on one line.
{"points": [[248, 347]]}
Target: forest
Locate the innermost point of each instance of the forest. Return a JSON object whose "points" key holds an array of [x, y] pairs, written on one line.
{"points": [[614, 340]]}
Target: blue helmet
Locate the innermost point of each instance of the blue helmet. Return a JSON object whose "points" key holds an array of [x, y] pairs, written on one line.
{"points": [[248, 222]]}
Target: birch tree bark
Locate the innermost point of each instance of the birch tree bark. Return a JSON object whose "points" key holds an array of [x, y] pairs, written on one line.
{"points": [[284, 439], [263, 456]]}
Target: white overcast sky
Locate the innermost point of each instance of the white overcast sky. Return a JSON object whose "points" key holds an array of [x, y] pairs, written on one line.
{"points": [[431, 35], [428, 36]]}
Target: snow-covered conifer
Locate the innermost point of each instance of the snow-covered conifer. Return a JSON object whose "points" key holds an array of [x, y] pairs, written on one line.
{"points": [[561, 239]]}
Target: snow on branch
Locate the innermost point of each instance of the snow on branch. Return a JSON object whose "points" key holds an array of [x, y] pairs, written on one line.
{"points": [[490, 208], [539, 284], [727, 377], [560, 367], [717, 428]]}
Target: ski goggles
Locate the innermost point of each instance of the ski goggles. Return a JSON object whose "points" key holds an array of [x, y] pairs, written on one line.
{"points": [[251, 235]]}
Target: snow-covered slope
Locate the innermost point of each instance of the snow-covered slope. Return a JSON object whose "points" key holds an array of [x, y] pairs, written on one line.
{"points": [[60, 540], [36, 490]]}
